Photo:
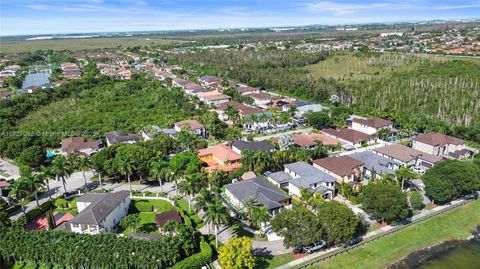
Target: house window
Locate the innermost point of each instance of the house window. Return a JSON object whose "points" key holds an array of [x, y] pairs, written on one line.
{"points": [[75, 225]]}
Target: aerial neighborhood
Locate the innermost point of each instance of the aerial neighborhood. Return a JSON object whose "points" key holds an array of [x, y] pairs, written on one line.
{"points": [[171, 162]]}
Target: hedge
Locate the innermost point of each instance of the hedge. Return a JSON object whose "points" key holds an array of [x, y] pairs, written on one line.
{"points": [[198, 260], [142, 206], [31, 215], [185, 217], [61, 203]]}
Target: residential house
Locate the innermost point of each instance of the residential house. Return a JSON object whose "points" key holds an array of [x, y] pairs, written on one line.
{"points": [[263, 192], [301, 175], [208, 80], [240, 146], [375, 165], [162, 218], [193, 126], [100, 212], [243, 90], [308, 141], [178, 82], [439, 144], [308, 108], [80, 146], [408, 156], [150, 132], [370, 126], [343, 168], [213, 98], [116, 137], [219, 157], [349, 136], [260, 98]]}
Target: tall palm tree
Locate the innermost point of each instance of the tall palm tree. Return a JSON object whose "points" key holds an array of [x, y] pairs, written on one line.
{"points": [[124, 165], [84, 163], [404, 173], [19, 190], [190, 186], [202, 201], [47, 173], [158, 168], [249, 205], [34, 182], [62, 169], [260, 215], [216, 214]]}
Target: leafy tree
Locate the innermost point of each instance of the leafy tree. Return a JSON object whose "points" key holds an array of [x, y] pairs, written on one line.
{"points": [[319, 118], [237, 254], [384, 202], [185, 236], [339, 221], [416, 200], [130, 221], [450, 178], [298, 226], [33, 156]]}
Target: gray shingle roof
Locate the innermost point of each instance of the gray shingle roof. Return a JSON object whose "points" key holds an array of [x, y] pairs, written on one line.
{"points": [[252, 146], [115, 137], [379, 163], [259, 189], [306, 170], [279, 177], [101, 205]]}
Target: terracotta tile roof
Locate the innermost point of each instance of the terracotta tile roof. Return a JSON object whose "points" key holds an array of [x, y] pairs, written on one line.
{"points": [[221, 152], [259, 95], [438, 139], [304, 140], [342, 165], [78, 143], [217, 97], [243, 109], [193, 124], [347, 134], [375, 123]]}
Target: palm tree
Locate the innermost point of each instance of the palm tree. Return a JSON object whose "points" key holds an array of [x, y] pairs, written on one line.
{"points": [[305, 195], [260, 215], [19, 190], [404, 173], [284, 118], [249, 205], [202, 201], [47, 173], [216, 214], [124, 165], [158, 168], [84, 163], [62, 169], [190, 186], [34, 182]]}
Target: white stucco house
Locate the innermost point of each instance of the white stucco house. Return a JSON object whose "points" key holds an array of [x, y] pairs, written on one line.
{"points": [[438, 144], [370, 126], [99, 212]]}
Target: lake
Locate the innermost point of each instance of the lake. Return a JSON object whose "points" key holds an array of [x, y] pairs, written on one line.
{"points": [[36, 79], [457, 254]]}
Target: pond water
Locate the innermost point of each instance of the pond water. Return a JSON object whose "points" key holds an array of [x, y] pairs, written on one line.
{"points": [[451, 254], [36, 79]]}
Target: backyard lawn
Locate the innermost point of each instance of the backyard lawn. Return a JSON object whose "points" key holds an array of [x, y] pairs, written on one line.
{"points": [[270, 262], [147, 210], [456, 224]]}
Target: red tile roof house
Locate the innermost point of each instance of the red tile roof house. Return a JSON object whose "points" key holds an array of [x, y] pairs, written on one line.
{"points": [[213, 98], [308, 141], [243, 90], [208, 80], [343, 168], [370, 126], [349, 136], [80, 146], [220, 157], [438, 144], [192, 126], [244, 110]]}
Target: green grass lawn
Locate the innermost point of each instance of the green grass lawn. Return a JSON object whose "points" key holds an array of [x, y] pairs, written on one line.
{"points": [[239, 231], [182, 204], [145, 205], [270, 262], [456, 224], [27, 266]]}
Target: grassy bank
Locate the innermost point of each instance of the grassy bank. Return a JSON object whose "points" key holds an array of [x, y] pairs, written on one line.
{"points": [[456, 224]]}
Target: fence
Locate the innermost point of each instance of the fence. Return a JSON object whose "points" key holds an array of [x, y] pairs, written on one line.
{"points": [[157, 197], [376, 237]]}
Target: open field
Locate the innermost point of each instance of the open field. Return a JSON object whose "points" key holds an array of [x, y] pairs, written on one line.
{"points": [[345, 65], [456, 224], [9, 47]]}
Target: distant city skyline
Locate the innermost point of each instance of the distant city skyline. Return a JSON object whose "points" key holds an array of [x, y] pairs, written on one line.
{"points": [[38, 17]]}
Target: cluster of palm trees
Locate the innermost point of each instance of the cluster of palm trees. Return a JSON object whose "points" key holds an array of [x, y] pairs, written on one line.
{"points": [[254, 211], [32, 182]]}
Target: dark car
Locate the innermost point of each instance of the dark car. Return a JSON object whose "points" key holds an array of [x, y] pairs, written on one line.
{"points": [[147, 182]]}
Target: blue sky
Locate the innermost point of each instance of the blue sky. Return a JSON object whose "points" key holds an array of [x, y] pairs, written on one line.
{"points": [[18, 17]]}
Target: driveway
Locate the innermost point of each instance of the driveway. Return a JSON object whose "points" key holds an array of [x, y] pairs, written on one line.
{"points": [[8, 170], [74, 183]]}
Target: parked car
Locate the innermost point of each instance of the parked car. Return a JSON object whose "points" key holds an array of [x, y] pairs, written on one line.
{"points": [[147, 182], [314, 247]]}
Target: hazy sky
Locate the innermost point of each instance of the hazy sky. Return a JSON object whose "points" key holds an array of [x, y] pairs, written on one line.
{"points": [[18, 17]]}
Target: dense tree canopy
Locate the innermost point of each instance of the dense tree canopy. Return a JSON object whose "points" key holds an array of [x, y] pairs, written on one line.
{"points": [[450, 178], [237, 254], [339, 221], [384, 201]]}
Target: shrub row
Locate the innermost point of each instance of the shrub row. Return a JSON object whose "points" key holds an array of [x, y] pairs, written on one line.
{"points": [[198, 260]]}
